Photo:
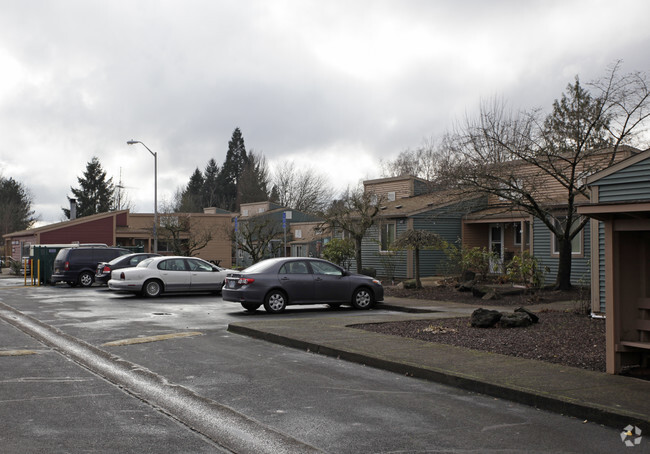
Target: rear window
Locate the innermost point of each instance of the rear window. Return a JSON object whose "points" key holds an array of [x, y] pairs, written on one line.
{"points": [[260, 267]]}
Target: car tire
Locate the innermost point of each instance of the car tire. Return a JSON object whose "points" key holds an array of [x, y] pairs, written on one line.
{"points": [[250, 307], [363, 298], [152, 288], [86, 279], [275, 302]]}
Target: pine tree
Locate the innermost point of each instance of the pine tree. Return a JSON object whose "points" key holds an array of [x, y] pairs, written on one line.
{"points": [[15, 207], [191, 198], [254, 180], [209, 194], [231, 171], [95, 194]]}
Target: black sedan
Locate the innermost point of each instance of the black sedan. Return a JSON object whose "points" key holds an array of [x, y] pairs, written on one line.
{"points": [[277, 283], [104, 269]]}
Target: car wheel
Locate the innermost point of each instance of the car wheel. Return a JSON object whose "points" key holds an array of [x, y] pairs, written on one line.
{"points": [[152, 288], [86, 279], [250, 307], [275, 302], [363, 299]]}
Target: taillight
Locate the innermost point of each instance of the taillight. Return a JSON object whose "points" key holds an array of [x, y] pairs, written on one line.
{"points": [[245, 280], [107, 269], [66, 266]]}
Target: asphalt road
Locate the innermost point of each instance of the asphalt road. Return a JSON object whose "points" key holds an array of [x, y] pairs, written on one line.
{"points": [[92, 385]]}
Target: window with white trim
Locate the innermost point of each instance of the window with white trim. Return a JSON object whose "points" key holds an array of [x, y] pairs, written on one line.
{"points": [[576, 242], [387, 235]]}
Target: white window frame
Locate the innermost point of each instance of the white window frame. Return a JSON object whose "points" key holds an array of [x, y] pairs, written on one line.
{"points": [[387, 225], [577, 240]]}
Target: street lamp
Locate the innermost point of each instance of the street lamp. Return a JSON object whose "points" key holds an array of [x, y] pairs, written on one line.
{"points": [[155, 193]]}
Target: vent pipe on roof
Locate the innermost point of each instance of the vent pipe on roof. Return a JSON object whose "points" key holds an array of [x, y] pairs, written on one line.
{"points": [[73, 209]]}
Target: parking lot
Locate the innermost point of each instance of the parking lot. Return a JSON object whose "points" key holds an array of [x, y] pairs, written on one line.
{"points": [[159, 360]]}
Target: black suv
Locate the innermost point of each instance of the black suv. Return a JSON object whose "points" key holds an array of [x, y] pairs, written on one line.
{"points": [[77, 265]]}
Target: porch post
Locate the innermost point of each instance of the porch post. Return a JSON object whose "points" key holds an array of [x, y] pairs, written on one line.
{"points": [[612, 308]]}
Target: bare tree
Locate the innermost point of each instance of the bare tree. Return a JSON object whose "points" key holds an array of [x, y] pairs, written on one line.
{"points": [[301, 190], [539, 164], [184, 236], [259, 237], [423, 162], [354, 214]]}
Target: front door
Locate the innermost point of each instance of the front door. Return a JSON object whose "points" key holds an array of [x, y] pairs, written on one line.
{"points": [[496, 247]]}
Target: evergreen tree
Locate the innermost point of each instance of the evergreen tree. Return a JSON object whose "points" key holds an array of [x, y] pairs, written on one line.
{"points": [[210, 189], [15, 207], [254, 180], [231, 171], [191, 198], [95, 194]]}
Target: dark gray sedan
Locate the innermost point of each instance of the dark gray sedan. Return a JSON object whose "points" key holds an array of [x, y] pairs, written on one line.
{"points": [[277, 283]]}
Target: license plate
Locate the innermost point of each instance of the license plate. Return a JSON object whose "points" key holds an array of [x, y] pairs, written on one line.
{"points": [[232, 284]]}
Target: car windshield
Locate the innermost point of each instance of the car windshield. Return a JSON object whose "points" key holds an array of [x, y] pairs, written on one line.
{"points": [[145, 262]]}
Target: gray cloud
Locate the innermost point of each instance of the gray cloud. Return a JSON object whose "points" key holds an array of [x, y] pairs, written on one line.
{"points": [[334, 85]]}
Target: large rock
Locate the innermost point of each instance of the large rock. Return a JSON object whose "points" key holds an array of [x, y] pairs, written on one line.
{"points": [[515, 320], [532, 315], [485, 318]]}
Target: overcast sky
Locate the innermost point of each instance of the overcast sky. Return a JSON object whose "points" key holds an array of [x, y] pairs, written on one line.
{"points": [[337, 86]]}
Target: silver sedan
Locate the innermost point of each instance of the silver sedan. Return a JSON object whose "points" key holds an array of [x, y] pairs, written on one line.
{"points": [[158, 275], [276, 283]]}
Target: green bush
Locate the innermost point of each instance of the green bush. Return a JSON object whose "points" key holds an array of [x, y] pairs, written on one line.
{"points": [[525, 270], [478, 260], [340, 252]]}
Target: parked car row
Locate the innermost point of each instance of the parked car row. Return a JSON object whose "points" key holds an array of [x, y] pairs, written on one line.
{"points": [[273, 283]]}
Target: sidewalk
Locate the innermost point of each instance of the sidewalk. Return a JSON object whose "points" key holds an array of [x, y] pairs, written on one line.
{"points": [[611, 400]]}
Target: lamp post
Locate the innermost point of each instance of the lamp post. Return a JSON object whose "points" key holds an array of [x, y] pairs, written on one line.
{"points": [[155, 193]]}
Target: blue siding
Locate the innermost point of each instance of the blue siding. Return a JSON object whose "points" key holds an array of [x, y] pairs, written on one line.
{"points": [[373, 258], [420, 187], [445, 221], [630, 183], [601, 265], [580, 266]]}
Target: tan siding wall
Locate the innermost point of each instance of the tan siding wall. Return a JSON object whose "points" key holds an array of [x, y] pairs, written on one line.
{"points": [[401, 188], [475, 235]]}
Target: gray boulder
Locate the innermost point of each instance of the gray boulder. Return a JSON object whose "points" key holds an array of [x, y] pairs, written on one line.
{"points": [[532, 316], [515, 320], [485, 318]]}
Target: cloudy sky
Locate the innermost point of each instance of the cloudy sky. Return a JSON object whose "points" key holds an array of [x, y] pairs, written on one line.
{"points": [[336, 86]]}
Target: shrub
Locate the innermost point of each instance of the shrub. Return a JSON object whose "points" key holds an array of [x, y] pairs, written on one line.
{"points": [[340, 252], [479, 260], [525, 270]]}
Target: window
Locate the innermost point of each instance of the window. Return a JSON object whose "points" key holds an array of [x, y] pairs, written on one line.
{"points": [[576, 242], [391, 196], [387, 235], [519, 233], [172, 265], [298, 234], [244, 212], [197, 265], [325, 268], [294, 268], [300, 251]]}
